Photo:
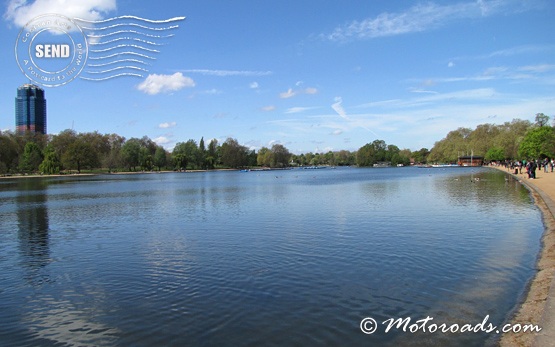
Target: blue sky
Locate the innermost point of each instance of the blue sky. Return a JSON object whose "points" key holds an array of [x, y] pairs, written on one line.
{"points": [[312, 75]]}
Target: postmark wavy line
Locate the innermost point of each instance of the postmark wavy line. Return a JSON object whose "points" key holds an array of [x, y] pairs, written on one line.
{"points": [[126, 39], [131, 17], [116, 69], [119, 61], [123, 53], [131, 25], [110, 77], [124, 46], [99, 36]]}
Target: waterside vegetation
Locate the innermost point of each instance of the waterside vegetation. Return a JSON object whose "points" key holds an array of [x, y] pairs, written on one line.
{"points": [[70, 151]]}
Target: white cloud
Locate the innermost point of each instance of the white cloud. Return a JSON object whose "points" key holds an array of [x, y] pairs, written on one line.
{"points": [[291, 93], [299, 109], [338, 108], [268, 108], [509, 52], [537, 68], [416, 121], [162, 140], [529, 72], [155, 84], [450, 64], [422, 91], [253, 85], [21, 12], [167, 125], [465, 97], [288, 94], [419, 18], [212, 91]]}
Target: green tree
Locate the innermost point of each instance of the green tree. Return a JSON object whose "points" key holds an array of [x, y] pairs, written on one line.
{"points": [[280, 156], [538, 143], [456, 143], [251, 158], [185, 153], [201, 155], [113, 159], [495, 154], [9, 152], [145, 159], [421, 156], [51, 164], [192, 152], [130, 153], [147, 143], [61, 142], [100, 145], [510, 135], [406, 156], [80, 155], [212, 154], [264, 157], [366, 155], [329, 158], [31, 159], [344, 158], [392, 154], [371, 153], [160, 157], [180, 161], [233, 154], [482, 138], [179, 156]]}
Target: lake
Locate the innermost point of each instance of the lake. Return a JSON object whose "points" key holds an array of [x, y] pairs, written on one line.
{"points": [[274, 258]]}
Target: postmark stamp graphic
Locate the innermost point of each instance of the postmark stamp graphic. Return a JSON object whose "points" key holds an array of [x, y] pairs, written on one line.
{"points": [[51, 50]]}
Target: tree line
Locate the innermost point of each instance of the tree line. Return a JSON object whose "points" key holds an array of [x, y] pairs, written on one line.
{"points": [[72, 151], [515, 140]]}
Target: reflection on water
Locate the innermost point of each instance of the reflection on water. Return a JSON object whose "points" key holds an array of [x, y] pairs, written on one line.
{"points": [[293, 257], [32, 222]]}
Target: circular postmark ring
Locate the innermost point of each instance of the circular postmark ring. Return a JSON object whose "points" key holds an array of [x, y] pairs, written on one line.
{"points": [[55, 60]]}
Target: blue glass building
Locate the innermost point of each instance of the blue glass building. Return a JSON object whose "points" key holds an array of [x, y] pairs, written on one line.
{"points": [[30, 110]]}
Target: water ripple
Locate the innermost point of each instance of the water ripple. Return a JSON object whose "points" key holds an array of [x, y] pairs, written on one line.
{"points": [[228, 258]]}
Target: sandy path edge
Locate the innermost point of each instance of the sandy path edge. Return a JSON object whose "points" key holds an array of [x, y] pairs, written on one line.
{"points": [[538, 307]]}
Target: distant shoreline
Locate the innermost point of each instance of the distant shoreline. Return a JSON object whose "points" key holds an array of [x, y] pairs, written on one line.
{"points": [[18, 176], [107, 173]]}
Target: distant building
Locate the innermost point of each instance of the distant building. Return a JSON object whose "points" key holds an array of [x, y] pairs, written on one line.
{"points": [[469, 160], [30, 110]]}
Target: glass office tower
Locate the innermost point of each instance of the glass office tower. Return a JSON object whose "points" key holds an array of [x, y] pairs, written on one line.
{"points": [[30, 110]]}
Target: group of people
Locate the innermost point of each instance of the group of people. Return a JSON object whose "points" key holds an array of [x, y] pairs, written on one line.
{"points": [[530, 166]]}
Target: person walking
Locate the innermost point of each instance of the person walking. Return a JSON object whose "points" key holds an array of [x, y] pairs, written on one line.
{"points": [[533, 167]]}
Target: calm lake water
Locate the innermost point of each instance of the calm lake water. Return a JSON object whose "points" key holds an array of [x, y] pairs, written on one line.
{"points": [[276, 258]]}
